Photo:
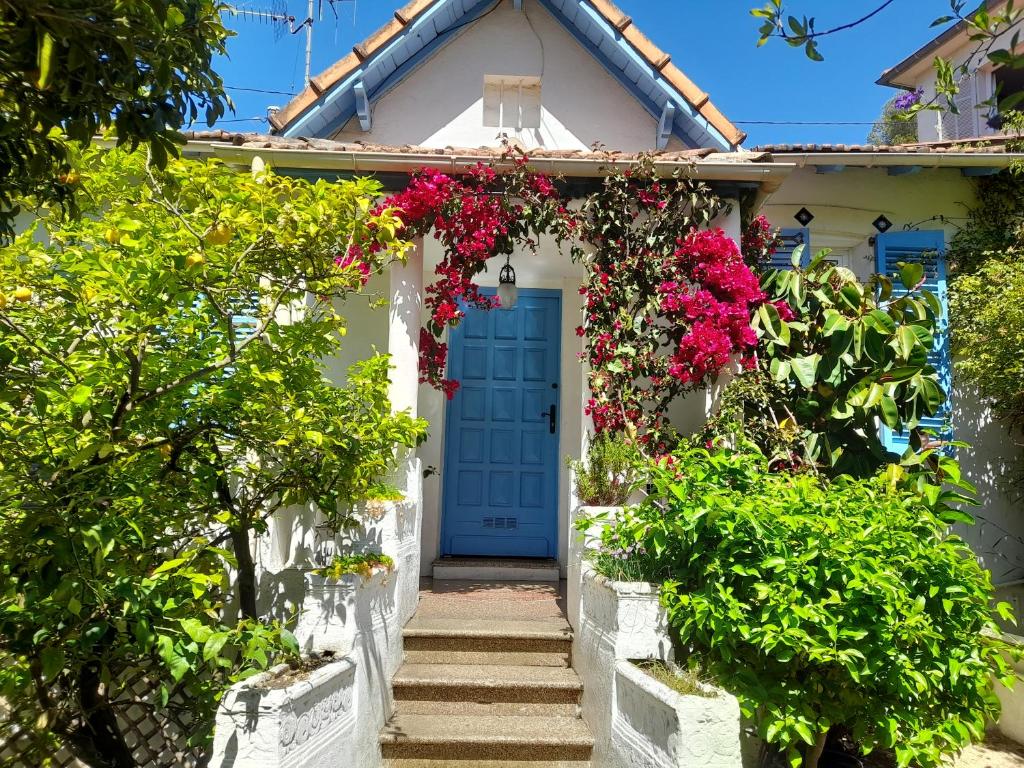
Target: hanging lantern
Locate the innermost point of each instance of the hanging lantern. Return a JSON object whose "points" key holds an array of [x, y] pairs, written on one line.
{"points": [[507, 291]]}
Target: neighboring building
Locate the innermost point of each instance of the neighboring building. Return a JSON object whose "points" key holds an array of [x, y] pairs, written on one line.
{"points": [[441, 86], [975, 103]]}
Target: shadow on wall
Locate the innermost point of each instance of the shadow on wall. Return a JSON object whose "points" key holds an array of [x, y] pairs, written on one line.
{"points": [[994, 463]]}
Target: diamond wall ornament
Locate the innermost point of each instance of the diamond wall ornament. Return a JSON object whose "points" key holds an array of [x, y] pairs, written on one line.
{"points": [[804, 216], [882, 224]]}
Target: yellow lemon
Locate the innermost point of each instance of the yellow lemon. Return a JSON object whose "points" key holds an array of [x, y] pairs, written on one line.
{"points": [[113, 235], [3, 301], [219, 234], [23, 294], [70, 178], [194, 260]]}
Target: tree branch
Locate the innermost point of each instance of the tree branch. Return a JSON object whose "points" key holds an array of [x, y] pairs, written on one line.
{"points": [[206, 370]]}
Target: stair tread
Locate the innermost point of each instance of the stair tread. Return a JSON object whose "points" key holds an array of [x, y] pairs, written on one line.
{"points": [[418, 762], [526, 563], [539, 629], [487, 676], [453, 730]]}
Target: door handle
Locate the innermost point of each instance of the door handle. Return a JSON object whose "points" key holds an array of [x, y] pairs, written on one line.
{"points": [[552, 414]]}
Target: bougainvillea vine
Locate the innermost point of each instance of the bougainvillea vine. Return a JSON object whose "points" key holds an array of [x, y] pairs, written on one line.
{"points": [[475, 217], [667, 300]]}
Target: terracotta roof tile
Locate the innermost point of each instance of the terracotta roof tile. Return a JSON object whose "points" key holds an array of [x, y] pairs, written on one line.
{"points": [[650, 52], [379, 38], [409, 11], [979, 145], [643, 45], [612, 13], [265, 141]]}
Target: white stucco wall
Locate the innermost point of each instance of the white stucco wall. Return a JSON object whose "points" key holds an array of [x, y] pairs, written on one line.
{"points": [[367, 328], [844, 205], [441, 102]]}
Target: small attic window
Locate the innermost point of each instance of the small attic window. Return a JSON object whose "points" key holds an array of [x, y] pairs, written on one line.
{"points": [[511, 102]]}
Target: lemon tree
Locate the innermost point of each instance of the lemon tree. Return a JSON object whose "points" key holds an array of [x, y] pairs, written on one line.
{"points": [[162, 395]]}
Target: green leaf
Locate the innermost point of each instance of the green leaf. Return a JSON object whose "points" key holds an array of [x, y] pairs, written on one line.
{"points": [[80, 394], [214, 644], [51, 661], [290, 643], [911, 274], [890, 412], [46, 59], [169, 565], [805, 368]]}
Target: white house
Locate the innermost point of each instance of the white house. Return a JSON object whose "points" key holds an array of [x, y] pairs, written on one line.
{"points": [[440, 86], [980, 89]]}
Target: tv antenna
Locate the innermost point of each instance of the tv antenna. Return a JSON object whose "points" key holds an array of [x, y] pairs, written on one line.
{"points": [[278, 16]]}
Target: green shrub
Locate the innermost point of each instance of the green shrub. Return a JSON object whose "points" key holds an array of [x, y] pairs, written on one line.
{"points": [[987, 311], [824, 603], [608, 475], [842, 357]]}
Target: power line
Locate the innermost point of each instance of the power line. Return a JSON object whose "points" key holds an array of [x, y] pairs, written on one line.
{"points": [[242, 120], [259, 90]]}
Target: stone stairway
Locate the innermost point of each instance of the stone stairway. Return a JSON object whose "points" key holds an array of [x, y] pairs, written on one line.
{"points": [[487, 681]]}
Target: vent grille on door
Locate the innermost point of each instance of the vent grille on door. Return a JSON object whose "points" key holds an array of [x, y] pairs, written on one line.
{"points": [[503, 523]]}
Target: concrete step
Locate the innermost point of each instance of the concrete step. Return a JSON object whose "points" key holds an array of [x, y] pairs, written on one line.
{"points": [[415, 762], [504, 739], [514, 643], [488, 708], [489, 569], [489, 658], [486, 683]]}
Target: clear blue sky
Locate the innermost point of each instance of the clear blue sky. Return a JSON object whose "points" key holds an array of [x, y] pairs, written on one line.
{"points": [[713, 41]]}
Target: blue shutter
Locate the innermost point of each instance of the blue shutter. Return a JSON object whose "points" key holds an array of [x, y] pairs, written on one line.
{"points": [[929, 248], [791, 238]]}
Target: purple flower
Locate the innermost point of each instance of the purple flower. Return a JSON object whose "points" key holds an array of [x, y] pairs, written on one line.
{"points": [[907, 99]]}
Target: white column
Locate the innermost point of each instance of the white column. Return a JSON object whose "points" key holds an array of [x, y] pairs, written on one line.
{"points": [[404, 317], [732, 224]]}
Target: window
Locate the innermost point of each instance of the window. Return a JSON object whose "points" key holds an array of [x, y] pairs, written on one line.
{"points": [[791, 238], [967, 122], [927, 247], [1008, 82], [511, 102]]}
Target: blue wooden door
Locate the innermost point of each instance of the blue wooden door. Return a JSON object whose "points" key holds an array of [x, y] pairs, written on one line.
{"points": [[500, 471]]}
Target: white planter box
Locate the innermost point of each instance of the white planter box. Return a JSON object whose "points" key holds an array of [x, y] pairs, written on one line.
{"points": [[656, 727], [579, 543], [308, 724], [616, 621], [1011, 719], [331, 608], [627, 615]]}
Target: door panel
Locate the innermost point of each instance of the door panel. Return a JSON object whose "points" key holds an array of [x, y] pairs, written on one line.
{"points": [[500, 471]]}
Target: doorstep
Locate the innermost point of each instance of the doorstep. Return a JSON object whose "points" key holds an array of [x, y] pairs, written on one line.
{"points": [[490, 569]]}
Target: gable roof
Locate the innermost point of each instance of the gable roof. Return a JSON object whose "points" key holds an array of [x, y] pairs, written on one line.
{"points": [[893, 77], [423, 26]]}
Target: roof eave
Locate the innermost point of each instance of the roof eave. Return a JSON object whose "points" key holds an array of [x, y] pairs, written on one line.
{"points": [[898, 159], [769, 174]]}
